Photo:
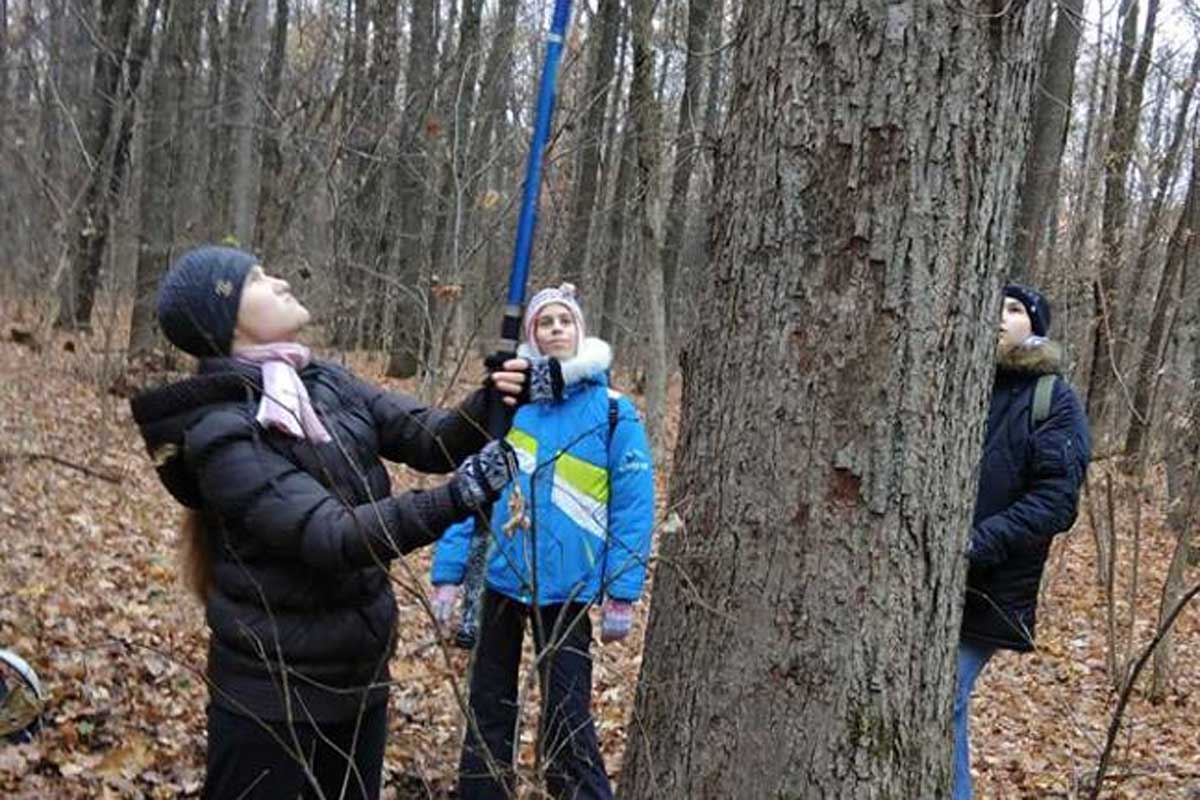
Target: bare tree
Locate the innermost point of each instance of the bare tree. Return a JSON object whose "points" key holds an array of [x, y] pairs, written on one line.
{"points": [[407, 308], [1131, 81], [619, 162], [602, 44], [161, 173], [1183, 252], [269, 225], [1051, 115], [244, 111], [90, 223], [646, 115], [1168, 174], [687, 141]]}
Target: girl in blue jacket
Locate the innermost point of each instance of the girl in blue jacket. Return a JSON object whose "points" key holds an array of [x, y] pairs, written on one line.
{"points": [[579, 534]]}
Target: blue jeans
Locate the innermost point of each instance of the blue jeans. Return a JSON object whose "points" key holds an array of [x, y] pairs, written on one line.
{"points": [[972, 658]]}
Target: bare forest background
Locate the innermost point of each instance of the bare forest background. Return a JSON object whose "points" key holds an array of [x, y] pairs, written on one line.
{"points": [[372, 151]]}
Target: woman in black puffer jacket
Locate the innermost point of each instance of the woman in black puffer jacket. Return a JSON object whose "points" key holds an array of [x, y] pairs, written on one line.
{"points": [[292, 523]]}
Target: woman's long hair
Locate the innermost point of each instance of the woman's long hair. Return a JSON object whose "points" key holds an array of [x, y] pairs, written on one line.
{"points": [[195, 562]]}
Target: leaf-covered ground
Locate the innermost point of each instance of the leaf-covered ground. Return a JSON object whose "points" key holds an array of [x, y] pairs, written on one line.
{"points": [[89, 593]]}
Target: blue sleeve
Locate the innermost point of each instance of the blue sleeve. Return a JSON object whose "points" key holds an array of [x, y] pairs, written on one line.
{"points": [[450, 553], [1061, 451], [630, 506]]}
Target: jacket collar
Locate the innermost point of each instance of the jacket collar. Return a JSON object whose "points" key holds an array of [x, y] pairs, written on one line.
{"points": [[589, 365], [1033, 357]]}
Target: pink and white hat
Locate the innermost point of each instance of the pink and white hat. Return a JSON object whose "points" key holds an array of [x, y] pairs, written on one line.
{"points": [[563, 295]]}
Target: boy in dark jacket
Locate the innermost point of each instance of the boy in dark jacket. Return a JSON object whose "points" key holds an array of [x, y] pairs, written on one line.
{"points": [[1033, 464]]}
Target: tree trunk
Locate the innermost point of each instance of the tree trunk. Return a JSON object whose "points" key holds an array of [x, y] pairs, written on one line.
{"points": [[602, 43], [620, 159], [1168, 173], [1183, 252], [370, 240], [90, 225], [802, 636], [1182, 457], [244, 180], [687, 141], [408, 307], [216, 211], [161, 171], [1126, 115], [478, 239], [1070, 277], [269, 227], [457, 88], [4, 79], [646, 114], [1051, 116]]}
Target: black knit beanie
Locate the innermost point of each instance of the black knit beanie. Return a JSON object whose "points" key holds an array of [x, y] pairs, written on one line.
{"points": [[198, 299], [1036, 306]]}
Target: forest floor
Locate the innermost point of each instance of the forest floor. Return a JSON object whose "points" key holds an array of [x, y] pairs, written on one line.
{"points": [[89, 594]]}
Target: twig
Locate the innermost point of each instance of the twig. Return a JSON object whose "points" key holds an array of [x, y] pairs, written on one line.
{"points": [[1127, 690], [95, 473]]}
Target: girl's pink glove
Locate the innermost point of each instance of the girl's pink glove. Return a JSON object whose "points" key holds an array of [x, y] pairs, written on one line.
{"points": [[616, 621], [442, 601]]}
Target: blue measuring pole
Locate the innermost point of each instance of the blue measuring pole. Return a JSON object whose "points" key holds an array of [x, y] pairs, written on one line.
{"points": [[514, 308]]}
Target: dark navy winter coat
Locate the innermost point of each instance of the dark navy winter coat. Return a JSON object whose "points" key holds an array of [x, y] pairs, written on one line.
{"points": [[300, 534], [1029, 483]]}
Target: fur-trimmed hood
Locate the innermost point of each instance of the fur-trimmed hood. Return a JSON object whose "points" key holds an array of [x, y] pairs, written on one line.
{"points": [[593, 359], [1036, 355]]}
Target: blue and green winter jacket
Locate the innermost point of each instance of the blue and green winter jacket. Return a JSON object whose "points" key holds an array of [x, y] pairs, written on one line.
{"points": [[588, 483]]}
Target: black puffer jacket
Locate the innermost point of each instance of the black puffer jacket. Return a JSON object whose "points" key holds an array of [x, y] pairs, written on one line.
{"points": [[299, 534], [1029, 481]]}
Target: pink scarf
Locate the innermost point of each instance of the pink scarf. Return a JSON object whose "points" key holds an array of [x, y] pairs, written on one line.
{"points": [[285, 405]]}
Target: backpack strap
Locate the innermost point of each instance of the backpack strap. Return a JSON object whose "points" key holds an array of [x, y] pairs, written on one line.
{"points": [[614, 413], [1043, 393]]}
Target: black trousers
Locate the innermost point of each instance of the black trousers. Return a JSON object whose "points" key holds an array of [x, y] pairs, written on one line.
{"points": [[571, 751], [245, 762]]}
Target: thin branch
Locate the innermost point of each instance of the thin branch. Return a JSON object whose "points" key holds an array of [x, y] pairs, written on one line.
{"points": [[1127, 691], [90, 471]]}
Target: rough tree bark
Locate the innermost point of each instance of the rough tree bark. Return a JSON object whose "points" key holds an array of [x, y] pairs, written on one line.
{"points": [[802, 636]]}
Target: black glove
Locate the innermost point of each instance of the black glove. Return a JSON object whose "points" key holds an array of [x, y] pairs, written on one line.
{"points": [[543, 380], [482, 476], [543, 377]]}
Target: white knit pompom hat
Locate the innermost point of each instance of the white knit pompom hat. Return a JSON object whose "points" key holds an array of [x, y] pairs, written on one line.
{"points": [[563, 295]]}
